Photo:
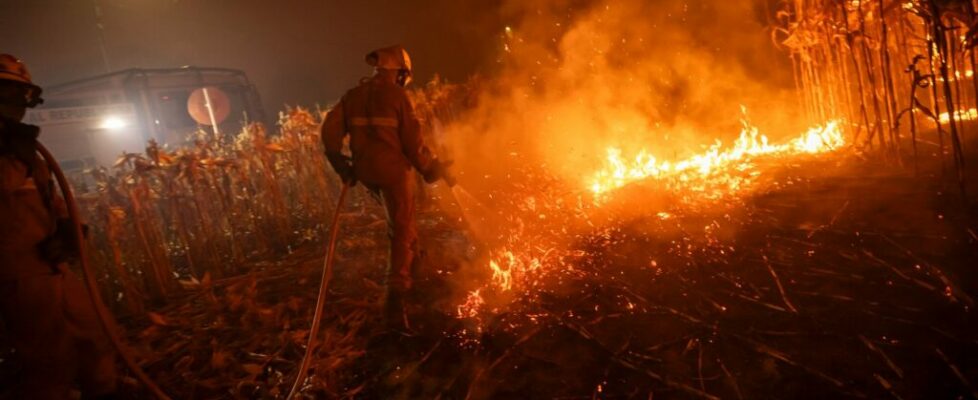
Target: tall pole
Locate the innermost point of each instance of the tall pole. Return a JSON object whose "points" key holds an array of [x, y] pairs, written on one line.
{"points": [[210, 114], [100, 32]]}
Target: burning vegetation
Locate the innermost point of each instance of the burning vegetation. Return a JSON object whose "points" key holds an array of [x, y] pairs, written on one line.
{"points": [[639, 213]]}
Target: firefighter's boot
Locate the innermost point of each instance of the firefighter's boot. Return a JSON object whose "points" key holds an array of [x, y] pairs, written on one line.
{"points": [[396, 312]]}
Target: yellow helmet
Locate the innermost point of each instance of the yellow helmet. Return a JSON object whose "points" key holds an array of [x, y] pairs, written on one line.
{"points": [[13, 69], [392, 57]]}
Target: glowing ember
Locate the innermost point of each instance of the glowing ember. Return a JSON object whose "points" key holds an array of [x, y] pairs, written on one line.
{"points": [[970, 114], [504, 268], [503, 278], [473, 302], [714, 163], [528, 260]]}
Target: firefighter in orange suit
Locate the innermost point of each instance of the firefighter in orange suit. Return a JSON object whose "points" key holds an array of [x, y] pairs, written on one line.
{"points": [[44, 307], [386, 146]]}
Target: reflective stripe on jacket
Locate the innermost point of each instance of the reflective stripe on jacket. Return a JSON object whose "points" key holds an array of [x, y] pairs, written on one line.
{"points": [[385, 134]]}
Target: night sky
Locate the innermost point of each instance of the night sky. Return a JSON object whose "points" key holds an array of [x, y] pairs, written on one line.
{"points": [[296, 51], [310, 51]]}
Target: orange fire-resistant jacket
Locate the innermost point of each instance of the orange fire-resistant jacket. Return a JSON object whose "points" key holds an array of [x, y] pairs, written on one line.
{"points": [[46, 314], [27, 218], [385, 134]]}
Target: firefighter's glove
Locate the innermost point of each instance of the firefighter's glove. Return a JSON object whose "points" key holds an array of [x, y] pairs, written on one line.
{"points": [[62, 245], [343, 166], [19, 140], [440, 170]]}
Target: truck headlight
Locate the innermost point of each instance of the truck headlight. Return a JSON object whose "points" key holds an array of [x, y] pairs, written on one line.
{"points": [[113, 123]]}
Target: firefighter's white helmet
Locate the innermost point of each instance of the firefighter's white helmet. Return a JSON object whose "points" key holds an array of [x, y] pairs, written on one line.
{"points": [[394, 58]]}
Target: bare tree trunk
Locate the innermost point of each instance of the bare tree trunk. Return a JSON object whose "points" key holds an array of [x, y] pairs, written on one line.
{"points": [[851, 112], [889, 88], [874, 91], [974, 76], [942, 50], [859, 77], [961, 102], [913, 117], [816, 88], [935, 103]]}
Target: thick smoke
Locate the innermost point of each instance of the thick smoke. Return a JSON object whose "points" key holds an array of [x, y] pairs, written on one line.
{"points": [[576, 77]]}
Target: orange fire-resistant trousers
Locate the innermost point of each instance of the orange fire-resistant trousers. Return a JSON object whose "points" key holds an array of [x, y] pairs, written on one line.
{"points": [[56, 335], [399, 203]]}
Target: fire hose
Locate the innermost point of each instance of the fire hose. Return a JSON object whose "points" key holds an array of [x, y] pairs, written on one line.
{"points": [[90, 282], [321, 300]]}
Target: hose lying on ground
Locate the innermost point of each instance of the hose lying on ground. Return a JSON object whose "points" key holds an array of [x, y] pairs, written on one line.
{"points": [[93, 292], [321, 301]]}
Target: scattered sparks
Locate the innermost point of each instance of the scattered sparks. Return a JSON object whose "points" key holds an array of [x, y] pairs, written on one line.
{"points": [[473, 302], [522, 266]]}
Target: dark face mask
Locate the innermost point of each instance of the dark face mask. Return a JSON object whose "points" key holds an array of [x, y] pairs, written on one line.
{"points": [[403, 77], [16, 94]]}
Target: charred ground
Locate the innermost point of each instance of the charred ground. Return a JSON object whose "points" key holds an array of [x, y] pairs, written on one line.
{"points": [[849, 282]]}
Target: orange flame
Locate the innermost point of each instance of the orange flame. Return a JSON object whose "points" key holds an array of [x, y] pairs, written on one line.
{"points": [[509, 268], [519, 268], [620, 171]]}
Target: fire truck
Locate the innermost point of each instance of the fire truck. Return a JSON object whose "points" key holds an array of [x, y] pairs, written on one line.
{"points": [[91, 122]]}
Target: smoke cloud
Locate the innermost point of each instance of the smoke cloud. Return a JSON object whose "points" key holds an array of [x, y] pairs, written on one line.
{"points": [[576, 77]]}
